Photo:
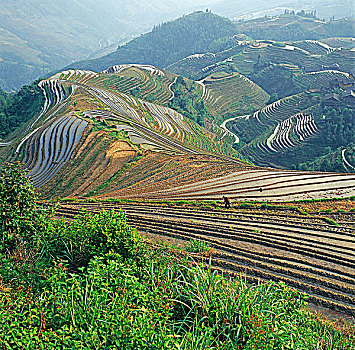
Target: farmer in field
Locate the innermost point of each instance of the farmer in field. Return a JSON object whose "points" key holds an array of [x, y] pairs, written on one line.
{"points": [[227, 202]]}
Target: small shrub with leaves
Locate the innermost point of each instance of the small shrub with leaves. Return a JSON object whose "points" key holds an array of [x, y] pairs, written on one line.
{"points": [[105, 234], [17, 204], [20, 216]]}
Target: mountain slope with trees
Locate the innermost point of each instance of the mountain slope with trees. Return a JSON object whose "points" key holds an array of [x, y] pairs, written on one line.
{"points": [[17, 109], [169, 42]]}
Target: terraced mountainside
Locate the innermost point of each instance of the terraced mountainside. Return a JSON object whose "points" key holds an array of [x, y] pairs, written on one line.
{"points": [[93, 139], [297, 128], [275, 66], [298, 132]]}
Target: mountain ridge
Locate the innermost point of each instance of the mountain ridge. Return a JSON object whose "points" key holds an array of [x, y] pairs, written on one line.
{"points": [[175, 40]]}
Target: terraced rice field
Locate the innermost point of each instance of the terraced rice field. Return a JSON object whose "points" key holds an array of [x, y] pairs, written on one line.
{"points": [[232, 94], [275, 128], [251, 184], [309, 54], [49, 148], [198, 65], [303, 251], [152, 82], [51, 138], [290, 133], [314, 47], [339, 42], [318, 79]]}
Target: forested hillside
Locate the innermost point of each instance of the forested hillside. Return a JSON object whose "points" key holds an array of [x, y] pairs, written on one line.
{"points": [[169, 42], [17, 109]]}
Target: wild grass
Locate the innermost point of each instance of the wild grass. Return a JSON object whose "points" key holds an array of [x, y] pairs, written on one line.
{"points": [[330, 221], [197, 246]]}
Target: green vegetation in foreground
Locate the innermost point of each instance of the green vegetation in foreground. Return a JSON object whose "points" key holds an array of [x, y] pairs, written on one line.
{"points": [[197, 246], [93, 283]]}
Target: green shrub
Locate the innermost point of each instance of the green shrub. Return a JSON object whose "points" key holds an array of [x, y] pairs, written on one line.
{"points": [[105, 234]]}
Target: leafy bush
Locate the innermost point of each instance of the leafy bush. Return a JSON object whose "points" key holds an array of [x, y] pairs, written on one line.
{"points": [[105, 234]]}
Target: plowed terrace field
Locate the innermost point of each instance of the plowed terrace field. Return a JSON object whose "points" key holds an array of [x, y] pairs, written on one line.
{"points": [[304, 251]]}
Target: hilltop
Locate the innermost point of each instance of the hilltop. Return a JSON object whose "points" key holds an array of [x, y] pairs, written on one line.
{"points": [[295, 27], [167, 43]]}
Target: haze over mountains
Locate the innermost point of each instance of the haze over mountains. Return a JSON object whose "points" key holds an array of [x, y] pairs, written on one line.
{"points": [[37, 37], [326, 9]]}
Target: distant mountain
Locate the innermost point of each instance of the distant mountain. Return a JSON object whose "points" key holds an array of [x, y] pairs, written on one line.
{"points": [[169, 42], [325, 9], [38, 36], [296, 27]]}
